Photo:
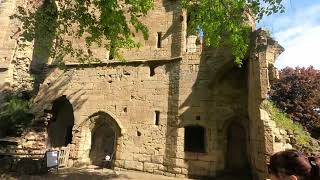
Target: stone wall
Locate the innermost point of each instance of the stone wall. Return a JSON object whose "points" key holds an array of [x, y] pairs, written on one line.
{"points": [[128, 93], [212, 94], [168, 19], [264, 51], [14, 61], [181, 88], [169, 28], [7, 45]]}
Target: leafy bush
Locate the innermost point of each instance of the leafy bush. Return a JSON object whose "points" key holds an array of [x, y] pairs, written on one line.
{"points": [[297, 93], [283, 121], [15, 116]]}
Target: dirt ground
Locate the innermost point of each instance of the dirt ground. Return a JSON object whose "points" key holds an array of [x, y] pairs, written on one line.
{"points": [[89, 174], [99, 174]]}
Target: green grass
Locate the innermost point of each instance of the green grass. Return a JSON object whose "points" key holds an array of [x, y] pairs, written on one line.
{"points": [[283, 121]]}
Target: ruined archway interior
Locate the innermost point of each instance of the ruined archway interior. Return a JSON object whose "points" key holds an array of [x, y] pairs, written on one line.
{"points": [[103, 140], [61, 124], [237, 156]]}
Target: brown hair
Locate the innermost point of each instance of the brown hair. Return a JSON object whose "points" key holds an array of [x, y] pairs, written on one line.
{"points": [[292, 162]]}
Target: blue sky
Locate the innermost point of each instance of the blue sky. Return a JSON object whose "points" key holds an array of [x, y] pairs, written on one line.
{"points": [[298, 31]]}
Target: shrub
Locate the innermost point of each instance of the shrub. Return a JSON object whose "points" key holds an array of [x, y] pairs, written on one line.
{"points": [[15, 115]]}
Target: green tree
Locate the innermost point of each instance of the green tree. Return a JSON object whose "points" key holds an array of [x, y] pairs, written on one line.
{"points": [[106, 23], [297, 94]]}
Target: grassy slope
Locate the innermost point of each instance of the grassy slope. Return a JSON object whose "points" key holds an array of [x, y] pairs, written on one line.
{"points": [[283, 121]]}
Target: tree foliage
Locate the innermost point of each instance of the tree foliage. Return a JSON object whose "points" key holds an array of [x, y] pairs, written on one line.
{"points": [[15, 115], [297, 93], [224, 21], [102, 23], [112, 23]]}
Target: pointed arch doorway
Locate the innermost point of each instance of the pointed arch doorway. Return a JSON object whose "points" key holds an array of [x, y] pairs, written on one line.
{"points": [[104, 137]]}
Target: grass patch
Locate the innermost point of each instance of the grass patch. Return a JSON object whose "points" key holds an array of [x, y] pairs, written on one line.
{"points": [[283, 121]]}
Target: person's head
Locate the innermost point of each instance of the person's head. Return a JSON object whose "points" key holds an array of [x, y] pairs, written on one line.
{"points": [[293, 165]]}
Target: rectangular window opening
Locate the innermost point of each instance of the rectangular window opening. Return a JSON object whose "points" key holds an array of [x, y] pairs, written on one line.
{"points": [[157, 118], [159, 42], [194, 139]]}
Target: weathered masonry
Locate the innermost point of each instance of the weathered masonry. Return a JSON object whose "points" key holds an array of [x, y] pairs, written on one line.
{"points": [[173, 108]]}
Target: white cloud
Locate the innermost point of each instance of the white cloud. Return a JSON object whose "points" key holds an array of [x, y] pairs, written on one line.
{"points": [[302, 51], [299, 33]]}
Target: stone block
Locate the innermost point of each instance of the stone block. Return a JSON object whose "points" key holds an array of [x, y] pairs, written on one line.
{"points": [[158, 172], [177, 170], [126, 156], [184, 171], [181, 163], [133, 165], [162, 167], [169, 174], [150, 167], [180, 176], [157, 159], [119, 163], [142, 157]]}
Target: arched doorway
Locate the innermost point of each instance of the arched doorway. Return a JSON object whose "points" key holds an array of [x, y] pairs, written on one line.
{"points": [[237, 162], [104, 135], [61, 124]]}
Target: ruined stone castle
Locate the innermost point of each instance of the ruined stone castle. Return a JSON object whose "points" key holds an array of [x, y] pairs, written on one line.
{"points": [[173, 108]]}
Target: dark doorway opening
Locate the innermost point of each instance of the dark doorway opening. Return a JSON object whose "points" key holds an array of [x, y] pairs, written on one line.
{"points": [[103, 142], [237, 158], [61, 124]]}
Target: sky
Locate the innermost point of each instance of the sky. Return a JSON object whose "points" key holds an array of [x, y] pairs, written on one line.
{"points": [[298, 31]]}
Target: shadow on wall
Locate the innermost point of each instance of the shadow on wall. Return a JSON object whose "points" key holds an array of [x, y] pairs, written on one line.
{"points": [[54, 107], [236, 147], [173, 69], [46, 17], [56, 85], [218, 93]]}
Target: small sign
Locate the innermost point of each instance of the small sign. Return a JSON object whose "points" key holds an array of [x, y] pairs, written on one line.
{"points": [[52, 158]]}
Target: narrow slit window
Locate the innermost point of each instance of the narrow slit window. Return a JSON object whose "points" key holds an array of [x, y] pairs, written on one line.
{"points": [[152, 72], [111, 57], [111, 53], [159, 42], [157, 118]]}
